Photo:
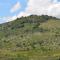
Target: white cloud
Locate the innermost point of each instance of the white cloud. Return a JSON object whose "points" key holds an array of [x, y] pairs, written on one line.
{"points": [[7, 19], [39, 7], [22, 14], [15, 7]]}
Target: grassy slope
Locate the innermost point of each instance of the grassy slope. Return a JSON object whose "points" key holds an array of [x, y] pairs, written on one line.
{"points": [[30, 42]]}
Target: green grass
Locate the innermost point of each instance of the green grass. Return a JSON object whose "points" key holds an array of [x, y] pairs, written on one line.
{"points": [[30, 38], [29, 55]]}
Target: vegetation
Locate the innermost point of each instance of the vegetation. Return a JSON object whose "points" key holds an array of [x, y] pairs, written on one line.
{"points": [[30, 38]]}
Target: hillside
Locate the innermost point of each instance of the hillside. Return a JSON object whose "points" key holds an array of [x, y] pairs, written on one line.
{"points": [[30, 38]]}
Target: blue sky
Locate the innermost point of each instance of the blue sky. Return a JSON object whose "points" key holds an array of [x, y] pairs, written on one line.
{"points": [[6, 5], [12, 9]]}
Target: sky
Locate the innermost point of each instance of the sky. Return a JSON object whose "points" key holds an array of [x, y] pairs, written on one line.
{"points": [[12, 9]]}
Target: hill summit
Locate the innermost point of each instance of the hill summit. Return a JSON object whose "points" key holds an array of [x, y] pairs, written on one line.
{"points": [[33, 33]]}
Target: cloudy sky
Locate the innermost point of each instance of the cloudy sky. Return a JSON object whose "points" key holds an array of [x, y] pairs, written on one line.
{"points": [[12, 9]]}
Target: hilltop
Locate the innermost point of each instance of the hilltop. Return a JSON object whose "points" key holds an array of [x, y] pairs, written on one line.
{"points": [[33, 37]]}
